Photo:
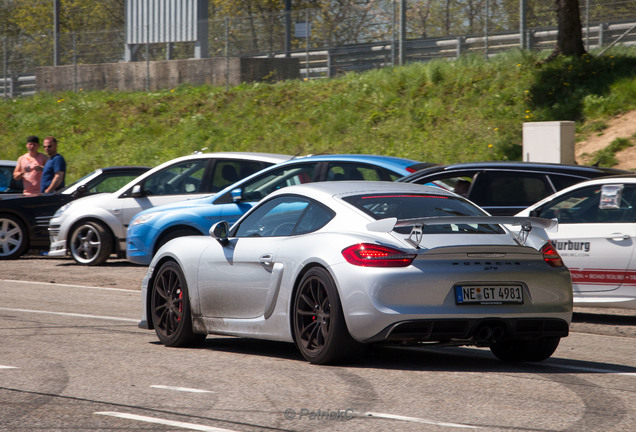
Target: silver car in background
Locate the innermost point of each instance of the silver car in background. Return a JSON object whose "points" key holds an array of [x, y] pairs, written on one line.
{"points": [[336, 266], [91, 229]]}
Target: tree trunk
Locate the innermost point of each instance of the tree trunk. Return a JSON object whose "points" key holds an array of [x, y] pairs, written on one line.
{"points": [[570, 35]]}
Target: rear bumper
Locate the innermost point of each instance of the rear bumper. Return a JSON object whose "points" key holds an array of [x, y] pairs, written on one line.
{"points": [[472, 330]]}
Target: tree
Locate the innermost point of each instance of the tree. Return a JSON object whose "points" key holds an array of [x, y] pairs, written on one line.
{"points": [[570, 35]]}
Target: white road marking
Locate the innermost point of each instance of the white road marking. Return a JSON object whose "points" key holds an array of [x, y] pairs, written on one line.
{"points": [[8, 367], [71, 286], [183, 389], [71, 314], [182, 425], [419, 420]]}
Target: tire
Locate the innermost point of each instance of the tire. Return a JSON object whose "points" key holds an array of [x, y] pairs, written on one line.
{"points": [[170, 308], [525, 350], [320, 331], [13, 238], [91, 244]]}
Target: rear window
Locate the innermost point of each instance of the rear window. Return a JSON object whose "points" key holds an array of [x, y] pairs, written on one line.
{"points": [[415, 206]]}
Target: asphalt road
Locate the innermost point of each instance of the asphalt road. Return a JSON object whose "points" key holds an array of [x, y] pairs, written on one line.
{"points": [[72, 358]]}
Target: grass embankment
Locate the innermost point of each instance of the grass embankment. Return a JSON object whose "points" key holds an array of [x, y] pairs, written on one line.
{"points": [[440, 111]]}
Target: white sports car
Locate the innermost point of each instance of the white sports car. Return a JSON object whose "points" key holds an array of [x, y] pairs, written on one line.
{"points": [[335, 266], [596, 238]]}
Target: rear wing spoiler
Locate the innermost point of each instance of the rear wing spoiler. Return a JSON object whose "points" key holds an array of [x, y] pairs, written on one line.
{"points": [[415, 237]]}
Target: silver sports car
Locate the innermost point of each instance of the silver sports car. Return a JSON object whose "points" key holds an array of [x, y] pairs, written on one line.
{"points": [[336, 266]]}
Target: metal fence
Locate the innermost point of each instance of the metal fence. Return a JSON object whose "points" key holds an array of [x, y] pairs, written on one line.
{"points": [[335, 40]]}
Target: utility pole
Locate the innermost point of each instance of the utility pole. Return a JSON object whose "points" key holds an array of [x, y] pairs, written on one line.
{"points": [[56, 32], [288, 7]]}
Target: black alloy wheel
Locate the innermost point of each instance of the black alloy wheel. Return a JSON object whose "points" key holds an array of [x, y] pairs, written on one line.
{"points": [[170, 308], [320, 331]]}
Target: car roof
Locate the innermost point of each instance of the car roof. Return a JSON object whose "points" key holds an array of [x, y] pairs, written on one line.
{"points": [[7, 162], [592, 171], [354, 187], [123, 168], [372, 158], [623, 177]]}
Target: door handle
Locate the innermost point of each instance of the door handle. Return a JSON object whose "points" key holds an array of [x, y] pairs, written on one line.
{"points": [[618, 236], [266, 259]]}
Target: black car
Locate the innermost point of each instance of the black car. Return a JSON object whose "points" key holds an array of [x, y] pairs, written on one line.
{"points": [[506, 188], [24, 220]]}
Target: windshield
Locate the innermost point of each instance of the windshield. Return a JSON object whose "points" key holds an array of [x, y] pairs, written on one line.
{"points": [[415, 206]]}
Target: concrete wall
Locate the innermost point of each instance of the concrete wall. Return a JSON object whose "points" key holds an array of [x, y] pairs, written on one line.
{"points": [[135, 76]]}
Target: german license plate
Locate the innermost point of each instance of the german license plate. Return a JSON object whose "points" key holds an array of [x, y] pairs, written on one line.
{"points": [[484, 294]]}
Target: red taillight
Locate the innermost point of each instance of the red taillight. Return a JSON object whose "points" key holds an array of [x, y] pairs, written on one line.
{"points": [[373, 255], [551, 256]]}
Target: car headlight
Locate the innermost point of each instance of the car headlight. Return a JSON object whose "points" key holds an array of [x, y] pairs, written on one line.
{"points": [[61, 210], [143, 218]]}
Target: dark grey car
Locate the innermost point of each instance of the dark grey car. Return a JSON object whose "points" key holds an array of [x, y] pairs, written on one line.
{"points": [[506, 188]]}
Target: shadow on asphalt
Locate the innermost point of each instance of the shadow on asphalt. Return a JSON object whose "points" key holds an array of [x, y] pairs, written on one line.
{"points": [[416, 358]]}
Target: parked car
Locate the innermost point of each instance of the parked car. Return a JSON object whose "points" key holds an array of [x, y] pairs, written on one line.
{"points": [[92, 228], [151, 228], [7, 183], [505, 188], [24, 220], [334, 266], [596, 238]]}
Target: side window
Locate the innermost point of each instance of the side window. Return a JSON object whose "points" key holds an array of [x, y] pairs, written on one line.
{"points": [[5, 177], [111, 183], [510, 189], [458, 182], [563, 181], [277, 217], [177, 179], [353, 171], [262, 186], [584, 206], [227, 172], [315, 217]]}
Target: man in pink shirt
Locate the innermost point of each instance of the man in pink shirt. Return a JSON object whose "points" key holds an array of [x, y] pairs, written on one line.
{"points": [[29, 167]]}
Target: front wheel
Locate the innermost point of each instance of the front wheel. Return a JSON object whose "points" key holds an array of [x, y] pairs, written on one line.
{"points": [[525, 350], [91, 244], [320, 331], [13, 237], [170, 308]]}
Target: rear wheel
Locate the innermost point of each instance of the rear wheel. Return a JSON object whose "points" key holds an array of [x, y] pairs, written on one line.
{"points": [[91, 244], [320, 331], [170, 308], [525, 350], [13, 237]]}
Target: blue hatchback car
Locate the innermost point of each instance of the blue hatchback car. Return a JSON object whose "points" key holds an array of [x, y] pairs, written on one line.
{"points": [[152, 228]]}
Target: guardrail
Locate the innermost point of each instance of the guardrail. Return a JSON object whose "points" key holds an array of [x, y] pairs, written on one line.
{"points": [[17, 85], [331, 62]]}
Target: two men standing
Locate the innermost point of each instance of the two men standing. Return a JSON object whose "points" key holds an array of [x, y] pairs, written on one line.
{"points": [[39, 173]]}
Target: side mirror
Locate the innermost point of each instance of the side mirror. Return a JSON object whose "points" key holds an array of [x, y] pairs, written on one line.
{"points": [[237, 194], [137, 191], [535, 212], [220, 231], [80, 191]]}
